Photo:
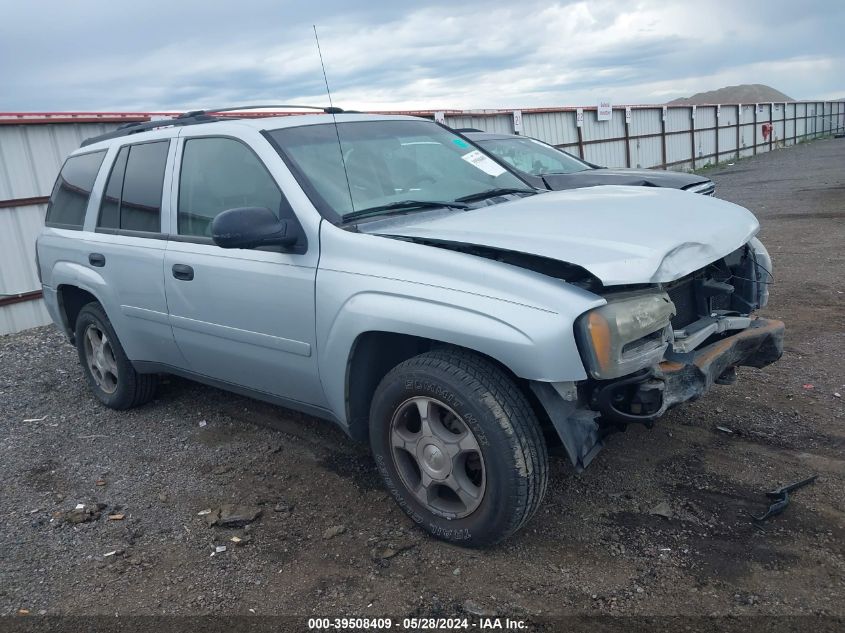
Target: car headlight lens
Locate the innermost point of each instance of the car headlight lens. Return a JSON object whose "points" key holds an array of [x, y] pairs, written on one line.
{"points": [[629, 333]]}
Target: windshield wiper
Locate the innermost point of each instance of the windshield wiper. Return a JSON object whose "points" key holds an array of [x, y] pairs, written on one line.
{"points": [[402, 205], [489, 193]]}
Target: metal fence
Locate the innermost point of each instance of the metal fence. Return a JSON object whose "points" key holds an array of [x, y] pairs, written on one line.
{"points": [[34, 145], [666, 137]]}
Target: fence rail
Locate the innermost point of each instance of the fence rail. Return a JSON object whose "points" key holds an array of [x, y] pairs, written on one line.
{"points": [[680, 137]]}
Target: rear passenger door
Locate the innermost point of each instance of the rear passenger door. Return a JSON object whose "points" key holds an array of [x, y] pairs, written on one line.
{"points": [[240, 316], [127, 248]]}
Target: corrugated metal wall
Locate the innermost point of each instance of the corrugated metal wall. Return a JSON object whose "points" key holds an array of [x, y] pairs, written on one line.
{"points": [[32, 149], [30, 158]]}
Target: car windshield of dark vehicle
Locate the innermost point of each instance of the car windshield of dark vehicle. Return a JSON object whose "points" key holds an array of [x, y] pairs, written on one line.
{"points": [[533, 157], [389, 166]]}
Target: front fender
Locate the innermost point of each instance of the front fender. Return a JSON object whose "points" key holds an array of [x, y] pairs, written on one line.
{"points": [[533, 343]]}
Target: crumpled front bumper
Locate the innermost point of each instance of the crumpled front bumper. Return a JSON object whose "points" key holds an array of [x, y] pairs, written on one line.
{"points": [[688, 376], [679, 378]]}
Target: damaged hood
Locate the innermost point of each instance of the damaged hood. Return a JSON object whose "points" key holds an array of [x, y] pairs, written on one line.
{"points": [[622, 235], [605, 176]]}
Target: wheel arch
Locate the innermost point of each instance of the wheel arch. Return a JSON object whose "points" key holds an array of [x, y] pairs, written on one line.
{"points": [[374, 353], [75, 286], [71, 301]]}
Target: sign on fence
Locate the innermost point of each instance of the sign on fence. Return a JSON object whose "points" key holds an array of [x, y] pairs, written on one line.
{"points": [[604, 112], [579, 117], [627, 114], [440, 117], [517, 121]]}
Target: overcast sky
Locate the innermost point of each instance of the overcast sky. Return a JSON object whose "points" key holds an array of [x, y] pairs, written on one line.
{"points": [[104, 55]]}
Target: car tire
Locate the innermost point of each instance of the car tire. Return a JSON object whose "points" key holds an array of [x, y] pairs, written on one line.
{"points": [[109, 372], [459, 447]]}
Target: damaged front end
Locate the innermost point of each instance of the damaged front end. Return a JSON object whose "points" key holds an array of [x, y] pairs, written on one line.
{"points": [[650, 349]]}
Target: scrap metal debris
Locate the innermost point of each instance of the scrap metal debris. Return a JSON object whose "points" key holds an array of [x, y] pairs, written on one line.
{"points": [[782, 497]]}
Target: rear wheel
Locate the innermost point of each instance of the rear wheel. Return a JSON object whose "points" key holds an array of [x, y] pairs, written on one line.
{"points": [[458, 446], [109, 372]]}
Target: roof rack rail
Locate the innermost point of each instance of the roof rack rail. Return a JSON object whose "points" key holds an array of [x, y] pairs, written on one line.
{"points": [[326, 110], [192, 118]]}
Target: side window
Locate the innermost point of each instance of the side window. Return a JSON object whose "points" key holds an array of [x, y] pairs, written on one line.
{"points": [[72, 190], [219, 174], [132, 198], [140, 204], [110, 206]]}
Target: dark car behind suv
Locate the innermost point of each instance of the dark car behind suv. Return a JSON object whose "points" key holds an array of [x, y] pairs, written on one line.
{"points": [[547, 167]]}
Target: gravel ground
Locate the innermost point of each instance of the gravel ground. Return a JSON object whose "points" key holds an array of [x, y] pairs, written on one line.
{"points": [[330, 542]]}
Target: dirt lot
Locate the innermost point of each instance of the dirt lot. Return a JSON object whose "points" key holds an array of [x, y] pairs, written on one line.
{"points": [[594, 547]]}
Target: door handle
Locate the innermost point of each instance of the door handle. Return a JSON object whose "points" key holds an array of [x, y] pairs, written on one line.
{"points": [[183, 272], [97, 259]]}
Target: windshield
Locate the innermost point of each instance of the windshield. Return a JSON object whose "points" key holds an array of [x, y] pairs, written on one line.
{"points": [[533, 157], [387, 163]]}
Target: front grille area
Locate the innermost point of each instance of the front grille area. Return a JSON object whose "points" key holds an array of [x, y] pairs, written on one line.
{"points": [[682, 294], [687, 306]]}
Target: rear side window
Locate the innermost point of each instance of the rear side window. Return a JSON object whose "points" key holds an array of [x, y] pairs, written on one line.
{"points": [[219, 174], [72, 190], [132, 198], [110, 206]]}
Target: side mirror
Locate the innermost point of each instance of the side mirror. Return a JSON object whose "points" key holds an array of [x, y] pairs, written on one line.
{"points": [[250, 227]]}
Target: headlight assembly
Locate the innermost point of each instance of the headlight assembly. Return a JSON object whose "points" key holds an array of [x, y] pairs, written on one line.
{"points": [[627, 334]]}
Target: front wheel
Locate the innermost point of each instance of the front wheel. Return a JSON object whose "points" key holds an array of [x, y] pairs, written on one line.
{"points": [[459, 447]]}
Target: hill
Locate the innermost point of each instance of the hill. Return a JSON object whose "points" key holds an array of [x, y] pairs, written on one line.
{"points": [[744, 93]]}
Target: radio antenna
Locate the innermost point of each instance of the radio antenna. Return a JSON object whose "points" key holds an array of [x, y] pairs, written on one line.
{"points": [[334, 119]]}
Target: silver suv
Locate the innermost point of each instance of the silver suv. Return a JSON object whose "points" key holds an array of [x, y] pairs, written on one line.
{"points": [[385, 273]]}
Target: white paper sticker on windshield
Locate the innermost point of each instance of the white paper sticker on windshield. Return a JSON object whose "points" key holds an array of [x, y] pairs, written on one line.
{"points": [[484, 163]]}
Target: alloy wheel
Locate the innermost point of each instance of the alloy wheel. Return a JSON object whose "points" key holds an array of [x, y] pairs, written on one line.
{"points": [[99, 355], [438, 457]]}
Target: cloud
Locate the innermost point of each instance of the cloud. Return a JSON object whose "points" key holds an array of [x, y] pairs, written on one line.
{"points": [[98, 55]]}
